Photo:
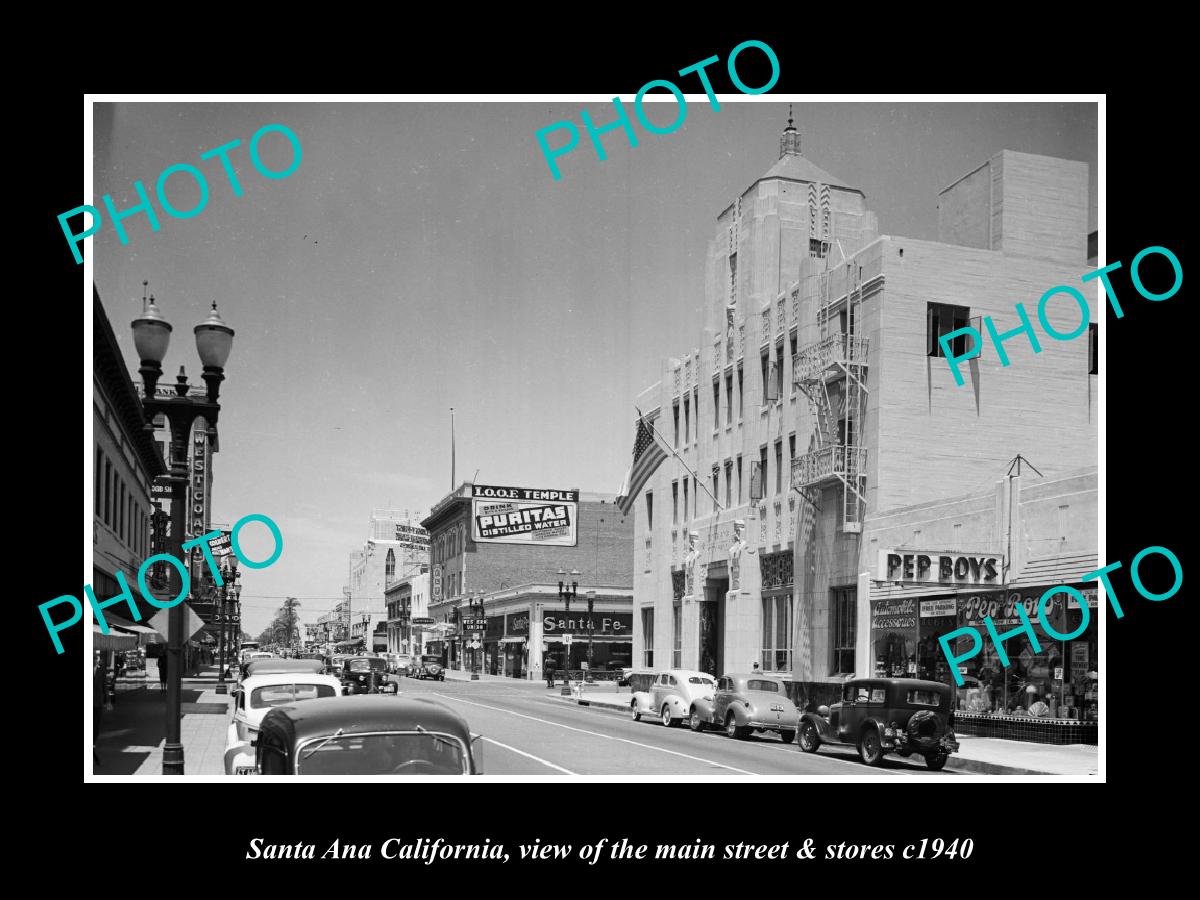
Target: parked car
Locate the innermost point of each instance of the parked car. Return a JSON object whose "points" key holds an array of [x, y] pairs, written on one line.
{"points": [[399, 663], [744, 703], [430, 667], [367, 736], [905, 716], [255, 697], [671, 695], [367, 675], [278, 665]]}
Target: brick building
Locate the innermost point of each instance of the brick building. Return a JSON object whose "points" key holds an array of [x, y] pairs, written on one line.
{"points": [[819, 393], [518, 584]]}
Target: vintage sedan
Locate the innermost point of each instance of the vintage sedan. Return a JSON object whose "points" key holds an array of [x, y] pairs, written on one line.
{"points": [[367, 675], [671, 695], [255, 697], [276, 665], [367, 736], [905, 716], [399, 663], [745, 703], [430, 666]]}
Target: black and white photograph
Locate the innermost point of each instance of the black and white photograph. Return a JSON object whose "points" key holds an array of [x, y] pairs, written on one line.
{"points": [[685, 436]]}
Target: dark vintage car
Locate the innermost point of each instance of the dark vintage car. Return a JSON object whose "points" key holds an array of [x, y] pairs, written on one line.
{"points": [[366, 736], [743, 703], [367, 675], [429, 667], [905, 716]]}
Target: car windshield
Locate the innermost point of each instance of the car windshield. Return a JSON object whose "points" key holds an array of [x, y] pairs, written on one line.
{"points": [[924, 698], [393, 753], [365, 665], [762, 684], [280, 694], [695, 679]]}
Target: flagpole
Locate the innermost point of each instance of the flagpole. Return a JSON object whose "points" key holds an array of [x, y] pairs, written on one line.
{"points": [[698, 479], [452, 484]]}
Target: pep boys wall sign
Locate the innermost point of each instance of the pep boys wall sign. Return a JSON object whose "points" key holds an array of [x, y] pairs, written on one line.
{"points": [[940, 568]]}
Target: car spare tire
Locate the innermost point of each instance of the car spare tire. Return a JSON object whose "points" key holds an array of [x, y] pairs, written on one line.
{"points": [[924, 729]]}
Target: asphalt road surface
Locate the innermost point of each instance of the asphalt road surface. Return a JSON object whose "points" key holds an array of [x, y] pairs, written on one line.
{"points": [[527, 731]]}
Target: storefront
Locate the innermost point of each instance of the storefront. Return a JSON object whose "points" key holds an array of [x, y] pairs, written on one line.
{"points": [[611, 641]]}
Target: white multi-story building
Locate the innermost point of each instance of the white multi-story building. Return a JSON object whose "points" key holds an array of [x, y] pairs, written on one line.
{"points": [[396, 546]]}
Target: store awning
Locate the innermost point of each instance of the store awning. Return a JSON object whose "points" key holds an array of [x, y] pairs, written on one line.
{"points": [[512, 640], [1065, 569], [145, 634], [116, 639]]}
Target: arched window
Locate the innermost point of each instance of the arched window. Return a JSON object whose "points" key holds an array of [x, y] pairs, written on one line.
{"points": [[389, 567]]}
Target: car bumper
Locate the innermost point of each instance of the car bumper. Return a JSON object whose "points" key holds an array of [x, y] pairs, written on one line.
{"points": [[946, 743]]}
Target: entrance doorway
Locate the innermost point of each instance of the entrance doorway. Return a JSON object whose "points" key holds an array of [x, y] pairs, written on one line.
{"points": [[712, 626]]}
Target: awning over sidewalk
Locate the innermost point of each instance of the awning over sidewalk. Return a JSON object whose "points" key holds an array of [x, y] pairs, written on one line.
{"points": [[116, 639], [144, 633], [512, 640]]}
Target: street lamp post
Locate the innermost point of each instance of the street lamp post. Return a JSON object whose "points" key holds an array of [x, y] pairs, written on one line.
{"points": [[230, 592], [214, 340], [476, 612], [591, 598], [566, 592]]}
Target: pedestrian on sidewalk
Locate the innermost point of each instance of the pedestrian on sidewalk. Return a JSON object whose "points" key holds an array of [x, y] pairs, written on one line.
{"points": [[162, 672], [99, 695], [549, 675]]}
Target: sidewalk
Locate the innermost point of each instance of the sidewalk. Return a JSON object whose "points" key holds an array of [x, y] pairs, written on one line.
{"points": [[132, 734], [976, 755]]}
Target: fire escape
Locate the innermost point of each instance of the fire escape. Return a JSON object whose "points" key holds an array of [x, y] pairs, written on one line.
{"points": [[832, 373]]}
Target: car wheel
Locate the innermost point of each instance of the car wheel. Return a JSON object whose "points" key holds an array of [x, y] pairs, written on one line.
{"points": [[869, 747], [732, 729], [787, 735], [936, 761], [667, 719], [696, 723], [633, 712], [809, 739]]}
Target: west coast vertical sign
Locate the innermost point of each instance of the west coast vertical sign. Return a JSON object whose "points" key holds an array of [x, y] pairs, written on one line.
{"points": [[515, 515]]}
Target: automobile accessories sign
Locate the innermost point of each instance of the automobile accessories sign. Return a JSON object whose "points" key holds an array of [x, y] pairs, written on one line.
{"points": [[513, 515]]}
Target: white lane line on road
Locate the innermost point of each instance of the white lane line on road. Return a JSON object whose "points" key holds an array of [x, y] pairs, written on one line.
{"points": [[607, 737], [531, 756]]}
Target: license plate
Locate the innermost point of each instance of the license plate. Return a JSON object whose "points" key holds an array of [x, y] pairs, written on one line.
{"points": [[245, 770]]}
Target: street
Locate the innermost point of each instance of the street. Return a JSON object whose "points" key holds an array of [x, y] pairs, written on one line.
{"points": [[529, 731]]}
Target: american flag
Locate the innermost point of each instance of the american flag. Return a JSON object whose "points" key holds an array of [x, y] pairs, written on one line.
{"points": [[647, 456]]}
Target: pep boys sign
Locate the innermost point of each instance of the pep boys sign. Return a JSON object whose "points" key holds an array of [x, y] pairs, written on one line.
{"points": [[939, 568]]}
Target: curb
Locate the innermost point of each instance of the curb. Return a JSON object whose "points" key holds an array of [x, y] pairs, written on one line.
{"points": [[956, 764]]}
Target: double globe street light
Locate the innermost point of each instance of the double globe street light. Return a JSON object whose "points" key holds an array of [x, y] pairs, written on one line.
{"points": [[214, 340]]}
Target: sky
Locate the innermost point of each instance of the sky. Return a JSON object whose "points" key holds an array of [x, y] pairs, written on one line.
{"points": [[422, 257]]}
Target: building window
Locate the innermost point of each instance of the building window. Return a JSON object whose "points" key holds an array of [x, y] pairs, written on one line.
{"points": [[733, 278], [120, 511], [1093, 349], [845, 628], [676, 637], [729, 399], [685, 499], [741, 393], [759, 490], [695, 496], [99, 470], [674, 502], [687, 419], [778, 370], [816, 248], [941, 319], [696, 403], [776, 651], [716, 404], [108, 492], [794, 352], [716, 485], [728, 483], [675, 411], [779, 466], [766, 377], [389, 566], [648, 638], [650, 510], [739, 477]]}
